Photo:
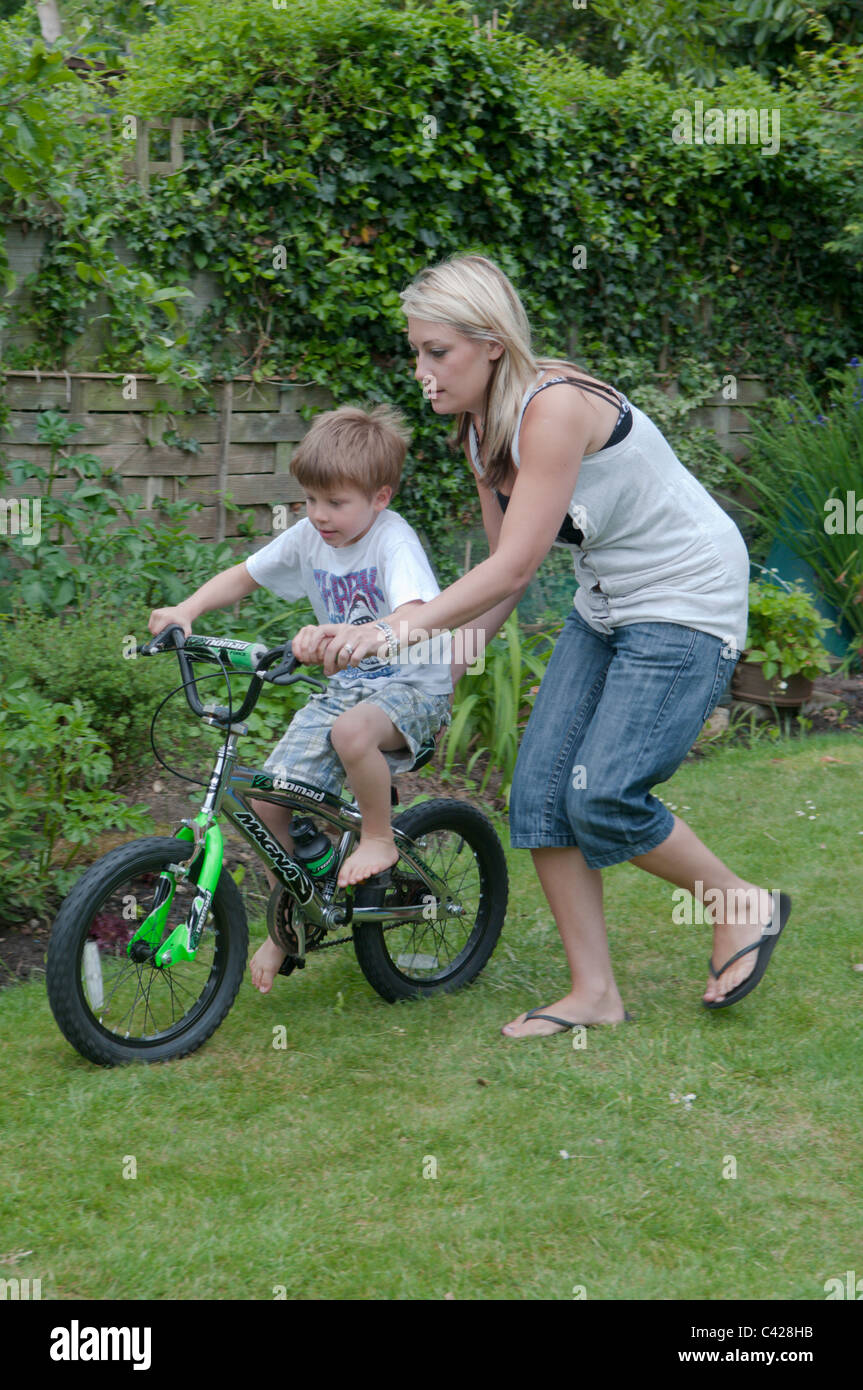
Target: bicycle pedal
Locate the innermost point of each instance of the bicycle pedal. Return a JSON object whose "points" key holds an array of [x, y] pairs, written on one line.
{"points": [[290, 964]]}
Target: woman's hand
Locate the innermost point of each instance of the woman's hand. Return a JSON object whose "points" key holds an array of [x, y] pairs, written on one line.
{"points": [[307, 646], [366, 639], [345, 644]]}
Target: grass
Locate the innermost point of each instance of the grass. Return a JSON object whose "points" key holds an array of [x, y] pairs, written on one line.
{"points": [[301, 1169]]}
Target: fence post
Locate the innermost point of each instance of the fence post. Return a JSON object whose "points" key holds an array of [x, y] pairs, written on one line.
{"points": [[224, 450]]}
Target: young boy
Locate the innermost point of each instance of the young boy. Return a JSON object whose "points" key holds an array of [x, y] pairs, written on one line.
{"points": [[354, 559]]}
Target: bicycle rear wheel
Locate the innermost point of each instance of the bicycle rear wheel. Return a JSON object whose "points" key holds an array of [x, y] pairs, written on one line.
{"points": [[450, 945], [114, 1009]]}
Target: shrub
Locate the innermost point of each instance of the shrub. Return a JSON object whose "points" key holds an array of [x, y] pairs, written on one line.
{"points": [[53, 800], [491, 710], [340, 152], [805, 470], [81, 659]]}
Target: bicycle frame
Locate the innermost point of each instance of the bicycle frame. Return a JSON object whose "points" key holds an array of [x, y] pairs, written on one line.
{"points": [[231, 788]]}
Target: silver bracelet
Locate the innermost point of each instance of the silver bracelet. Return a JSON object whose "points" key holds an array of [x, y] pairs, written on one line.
{"points": [[392, 640]]}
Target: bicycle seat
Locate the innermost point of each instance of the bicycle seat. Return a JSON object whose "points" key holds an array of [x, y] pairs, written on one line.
{"points": [[426, 752]]}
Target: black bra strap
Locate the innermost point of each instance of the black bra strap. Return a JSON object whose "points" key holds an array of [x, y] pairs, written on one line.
{"points": [[605, 392]]}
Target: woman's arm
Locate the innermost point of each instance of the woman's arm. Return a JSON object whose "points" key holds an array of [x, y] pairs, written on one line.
{"points": [[490, 622], [555, 432]]}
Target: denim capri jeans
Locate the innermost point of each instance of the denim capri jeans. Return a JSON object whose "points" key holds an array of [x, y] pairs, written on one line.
{"points": [[615, 715]]}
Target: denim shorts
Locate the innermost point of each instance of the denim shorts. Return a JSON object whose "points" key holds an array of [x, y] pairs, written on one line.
{"points": [[615, 715], [306, 751]]}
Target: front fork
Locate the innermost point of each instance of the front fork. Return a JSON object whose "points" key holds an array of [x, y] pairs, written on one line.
{"points": [[182, 944]]}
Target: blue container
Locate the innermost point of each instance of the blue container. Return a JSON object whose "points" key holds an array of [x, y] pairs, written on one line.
{"points": [[791, 567]]}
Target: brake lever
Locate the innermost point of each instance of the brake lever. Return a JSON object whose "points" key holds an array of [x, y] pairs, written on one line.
{"points": [[276, 679], [286, 674]]}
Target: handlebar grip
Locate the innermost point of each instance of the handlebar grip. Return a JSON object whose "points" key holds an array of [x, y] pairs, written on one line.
{"points": [[160, 642]]}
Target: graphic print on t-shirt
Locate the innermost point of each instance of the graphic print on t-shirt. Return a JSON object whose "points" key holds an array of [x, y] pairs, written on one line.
{"points": [[339, 591], [355, 598]]}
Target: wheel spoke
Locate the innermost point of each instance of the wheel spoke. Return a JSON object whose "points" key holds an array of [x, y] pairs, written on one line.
{"points": [[429, 948], [449, 941], [108, 995]]}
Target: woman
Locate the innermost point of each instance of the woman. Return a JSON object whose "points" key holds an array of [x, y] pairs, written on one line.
{"points": [[650, 645]]}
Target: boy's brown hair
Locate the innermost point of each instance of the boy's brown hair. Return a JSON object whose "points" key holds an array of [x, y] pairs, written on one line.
{"points": [[353, 447]]}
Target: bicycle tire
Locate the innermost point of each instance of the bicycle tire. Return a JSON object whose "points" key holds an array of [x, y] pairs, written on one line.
{"points": [[380, 949], [81, 918]]}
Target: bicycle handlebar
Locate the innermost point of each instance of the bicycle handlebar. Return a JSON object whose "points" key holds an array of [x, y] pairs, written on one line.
{"points": [[252, 658]]}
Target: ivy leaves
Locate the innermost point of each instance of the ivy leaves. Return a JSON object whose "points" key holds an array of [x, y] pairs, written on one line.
{"points": [[363, 145]]}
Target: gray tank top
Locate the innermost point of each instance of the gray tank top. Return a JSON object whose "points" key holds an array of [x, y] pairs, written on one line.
{"points": [[653, 547]]}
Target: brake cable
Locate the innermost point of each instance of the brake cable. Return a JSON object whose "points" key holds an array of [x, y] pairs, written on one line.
{"points": [[184, 686]]}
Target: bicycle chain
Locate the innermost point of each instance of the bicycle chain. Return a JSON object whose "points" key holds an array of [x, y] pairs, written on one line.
{"points": [[322, 945]]}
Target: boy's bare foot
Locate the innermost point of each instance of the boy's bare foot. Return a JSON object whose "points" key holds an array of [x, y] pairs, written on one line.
{"points": [[264, 965], [372, 855], [583, 1008]]}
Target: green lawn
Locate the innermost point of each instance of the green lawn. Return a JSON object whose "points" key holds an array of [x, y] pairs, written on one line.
{"points": [[303, 1168]]}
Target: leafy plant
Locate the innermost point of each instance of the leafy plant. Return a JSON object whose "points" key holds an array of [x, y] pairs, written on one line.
{"points": [[805, 470], [784, 632], [405, 136], [491, 710], [89, 658], [53, 801], [708, 40], [93, 551]]}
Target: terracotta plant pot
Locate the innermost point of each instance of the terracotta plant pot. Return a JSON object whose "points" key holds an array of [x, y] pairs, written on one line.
{"points": [[748, 684]]}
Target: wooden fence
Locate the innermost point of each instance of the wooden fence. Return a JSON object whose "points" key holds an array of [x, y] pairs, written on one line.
{"points": [[724, 412], [245, 435]]}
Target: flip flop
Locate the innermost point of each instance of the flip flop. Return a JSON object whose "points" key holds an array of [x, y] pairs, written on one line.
{"points": [[564, 1022], [764, 946]]}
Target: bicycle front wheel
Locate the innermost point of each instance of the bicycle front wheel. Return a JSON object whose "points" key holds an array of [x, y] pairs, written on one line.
{"points": [[114, 1009], [450, 945]]}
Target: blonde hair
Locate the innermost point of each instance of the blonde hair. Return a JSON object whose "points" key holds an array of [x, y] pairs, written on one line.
{"points": [[354, 447], [473, 296]]}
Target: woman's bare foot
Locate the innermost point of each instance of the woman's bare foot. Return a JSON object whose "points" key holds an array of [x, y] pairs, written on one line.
{"points": [[731, 937], [578, 1007], [264, 965], [372, 855]]}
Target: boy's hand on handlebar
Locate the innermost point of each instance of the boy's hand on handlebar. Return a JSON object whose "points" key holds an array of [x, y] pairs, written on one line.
{"points": [[160, 618]]}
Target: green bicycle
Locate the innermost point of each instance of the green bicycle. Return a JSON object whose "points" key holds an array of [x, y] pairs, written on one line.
{"points": [[148, 950]]}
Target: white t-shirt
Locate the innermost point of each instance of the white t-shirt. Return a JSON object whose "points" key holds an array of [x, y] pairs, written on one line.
{"points": [[357, 584]]}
